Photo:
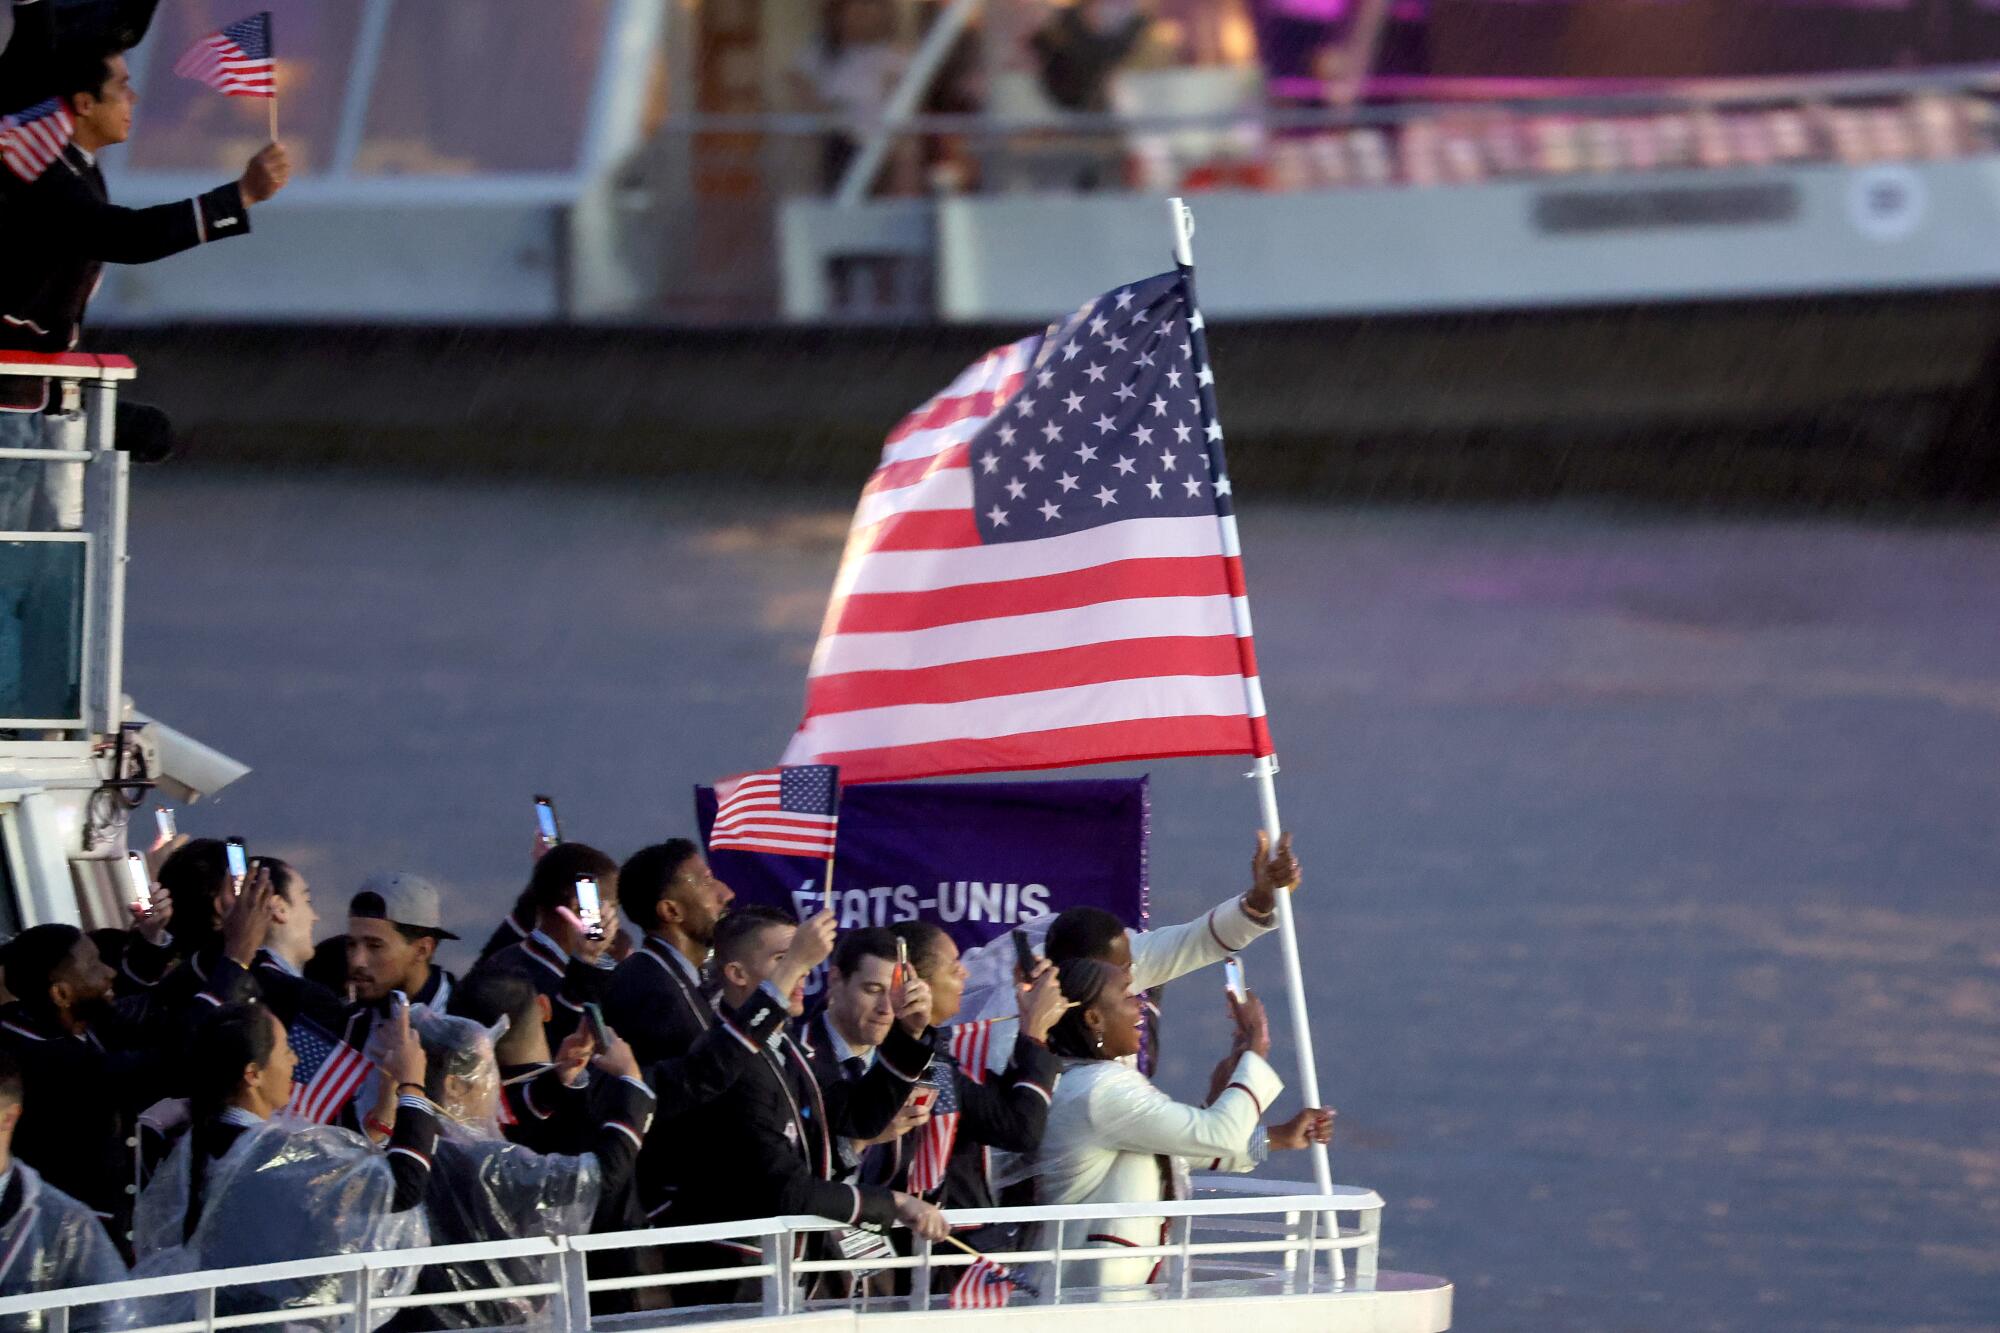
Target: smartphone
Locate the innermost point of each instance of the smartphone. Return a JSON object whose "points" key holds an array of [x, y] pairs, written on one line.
{"points": [[163, 819], [923, 1097], [598, 1032], [902, 960], [1232, 979], [401, 1000], [239, 863], [141, 884], [1024, 953], [588, 909], [545, 822]]}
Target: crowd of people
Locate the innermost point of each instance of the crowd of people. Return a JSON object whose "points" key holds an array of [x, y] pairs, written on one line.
{"points": [[218, 1087]]}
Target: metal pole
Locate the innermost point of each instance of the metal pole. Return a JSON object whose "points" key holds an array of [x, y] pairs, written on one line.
{"points": [[930, 58], [1266, 766]]}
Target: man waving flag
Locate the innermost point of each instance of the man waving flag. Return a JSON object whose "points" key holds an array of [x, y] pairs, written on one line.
{"points": [[1038, 574]]}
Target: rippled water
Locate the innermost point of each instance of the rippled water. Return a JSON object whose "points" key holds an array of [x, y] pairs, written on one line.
{"points": [[1650, 921]]}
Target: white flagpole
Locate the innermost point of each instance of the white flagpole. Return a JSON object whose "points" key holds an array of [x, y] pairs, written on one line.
{"points": [[1265, 768]]}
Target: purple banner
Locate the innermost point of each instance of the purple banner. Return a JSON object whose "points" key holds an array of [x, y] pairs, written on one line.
{"points": [[975, 857]]}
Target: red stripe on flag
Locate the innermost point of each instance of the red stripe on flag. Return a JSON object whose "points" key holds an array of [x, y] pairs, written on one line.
{"points": [[924, 530], [1095, 743], [910, 471], [993, 677], [942, 412], [1171, 576]]}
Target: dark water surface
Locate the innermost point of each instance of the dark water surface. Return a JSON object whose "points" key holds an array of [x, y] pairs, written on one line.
{"points": [[1650, 918]]}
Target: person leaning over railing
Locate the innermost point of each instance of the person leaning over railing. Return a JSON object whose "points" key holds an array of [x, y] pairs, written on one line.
{"points": [[48, 1240], [1115, 1138]]}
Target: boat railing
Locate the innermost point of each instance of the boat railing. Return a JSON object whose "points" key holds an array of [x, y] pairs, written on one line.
{"points": [[1249, 1236]]}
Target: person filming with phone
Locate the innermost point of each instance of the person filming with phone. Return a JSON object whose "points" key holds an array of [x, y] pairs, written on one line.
{"points": [[1115, 1138], [574, 896]]}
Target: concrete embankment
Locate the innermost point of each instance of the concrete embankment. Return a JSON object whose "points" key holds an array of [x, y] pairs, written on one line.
{"points": [[1834, 401]]}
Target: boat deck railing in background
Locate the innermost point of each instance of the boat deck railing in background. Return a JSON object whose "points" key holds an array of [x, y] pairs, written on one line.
{"points": [[1250, 1237]]}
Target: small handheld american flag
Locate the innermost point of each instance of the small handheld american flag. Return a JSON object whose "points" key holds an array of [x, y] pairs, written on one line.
{"points": [[30, 140], [987, 1286], [328, 1074], [788, 811], [934, 1142], [236, 61]]}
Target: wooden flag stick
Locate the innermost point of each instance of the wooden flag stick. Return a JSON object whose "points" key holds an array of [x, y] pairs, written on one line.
{"points": [[950, 1239], [274, 117]]}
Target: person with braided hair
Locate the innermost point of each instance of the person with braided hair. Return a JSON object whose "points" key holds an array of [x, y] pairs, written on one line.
{"points": [[1113, 1137]]}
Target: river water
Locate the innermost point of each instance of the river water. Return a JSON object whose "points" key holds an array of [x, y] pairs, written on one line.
{"points": [[1651, 861]]}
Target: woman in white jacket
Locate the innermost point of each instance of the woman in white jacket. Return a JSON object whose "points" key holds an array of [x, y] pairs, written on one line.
{"points": [[1113, 1137]]}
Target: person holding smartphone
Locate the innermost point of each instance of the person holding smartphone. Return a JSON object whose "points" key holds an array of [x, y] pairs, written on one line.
{"points": [[1004, 1112], [570, 965]]}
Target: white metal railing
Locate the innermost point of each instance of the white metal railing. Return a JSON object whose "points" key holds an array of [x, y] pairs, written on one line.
{"points": [[1271, 1234]]}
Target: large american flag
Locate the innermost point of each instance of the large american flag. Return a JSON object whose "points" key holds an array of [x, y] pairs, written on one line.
{"points": [[788, 811], [30, 140], [236, 61], [1041, 572], [932, 1154], [328, 1072]]}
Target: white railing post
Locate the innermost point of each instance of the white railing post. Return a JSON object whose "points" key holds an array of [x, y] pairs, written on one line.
{"points": [[1056, 1267], [1186, 1259], [204, 1307], [359, 1296], [920, 1276], [778, 1282], [574, 1314], [1367, 1256], [58, 1320]]}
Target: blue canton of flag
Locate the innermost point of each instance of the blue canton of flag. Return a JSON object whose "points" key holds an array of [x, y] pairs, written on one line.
{"points": [[1108, 425], [807, 789], [251, 35]]}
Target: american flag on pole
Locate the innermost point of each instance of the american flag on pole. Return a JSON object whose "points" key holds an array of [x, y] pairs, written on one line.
{"points": [[934, 1142], [985, 1285], [1043, 569], [788, 811], [237, 61], [328, 1073], [30, 140]]}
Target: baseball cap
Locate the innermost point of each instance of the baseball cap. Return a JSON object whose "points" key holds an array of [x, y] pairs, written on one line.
{"points": [[402, 898]]}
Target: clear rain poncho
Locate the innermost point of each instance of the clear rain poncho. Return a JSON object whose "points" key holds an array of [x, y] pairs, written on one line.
{"points": [[285, 1190], [484, 1188], [51, 1242]]}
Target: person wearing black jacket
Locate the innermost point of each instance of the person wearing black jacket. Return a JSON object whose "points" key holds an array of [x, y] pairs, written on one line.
{"points": [[94, 1063], [64, 228], [568, 966], [1006, 1112], [766, 1145], [279, 966], [689, 1051]]}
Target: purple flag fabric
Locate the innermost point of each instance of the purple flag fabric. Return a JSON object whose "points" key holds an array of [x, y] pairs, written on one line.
{"points": [[975, 857]]}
